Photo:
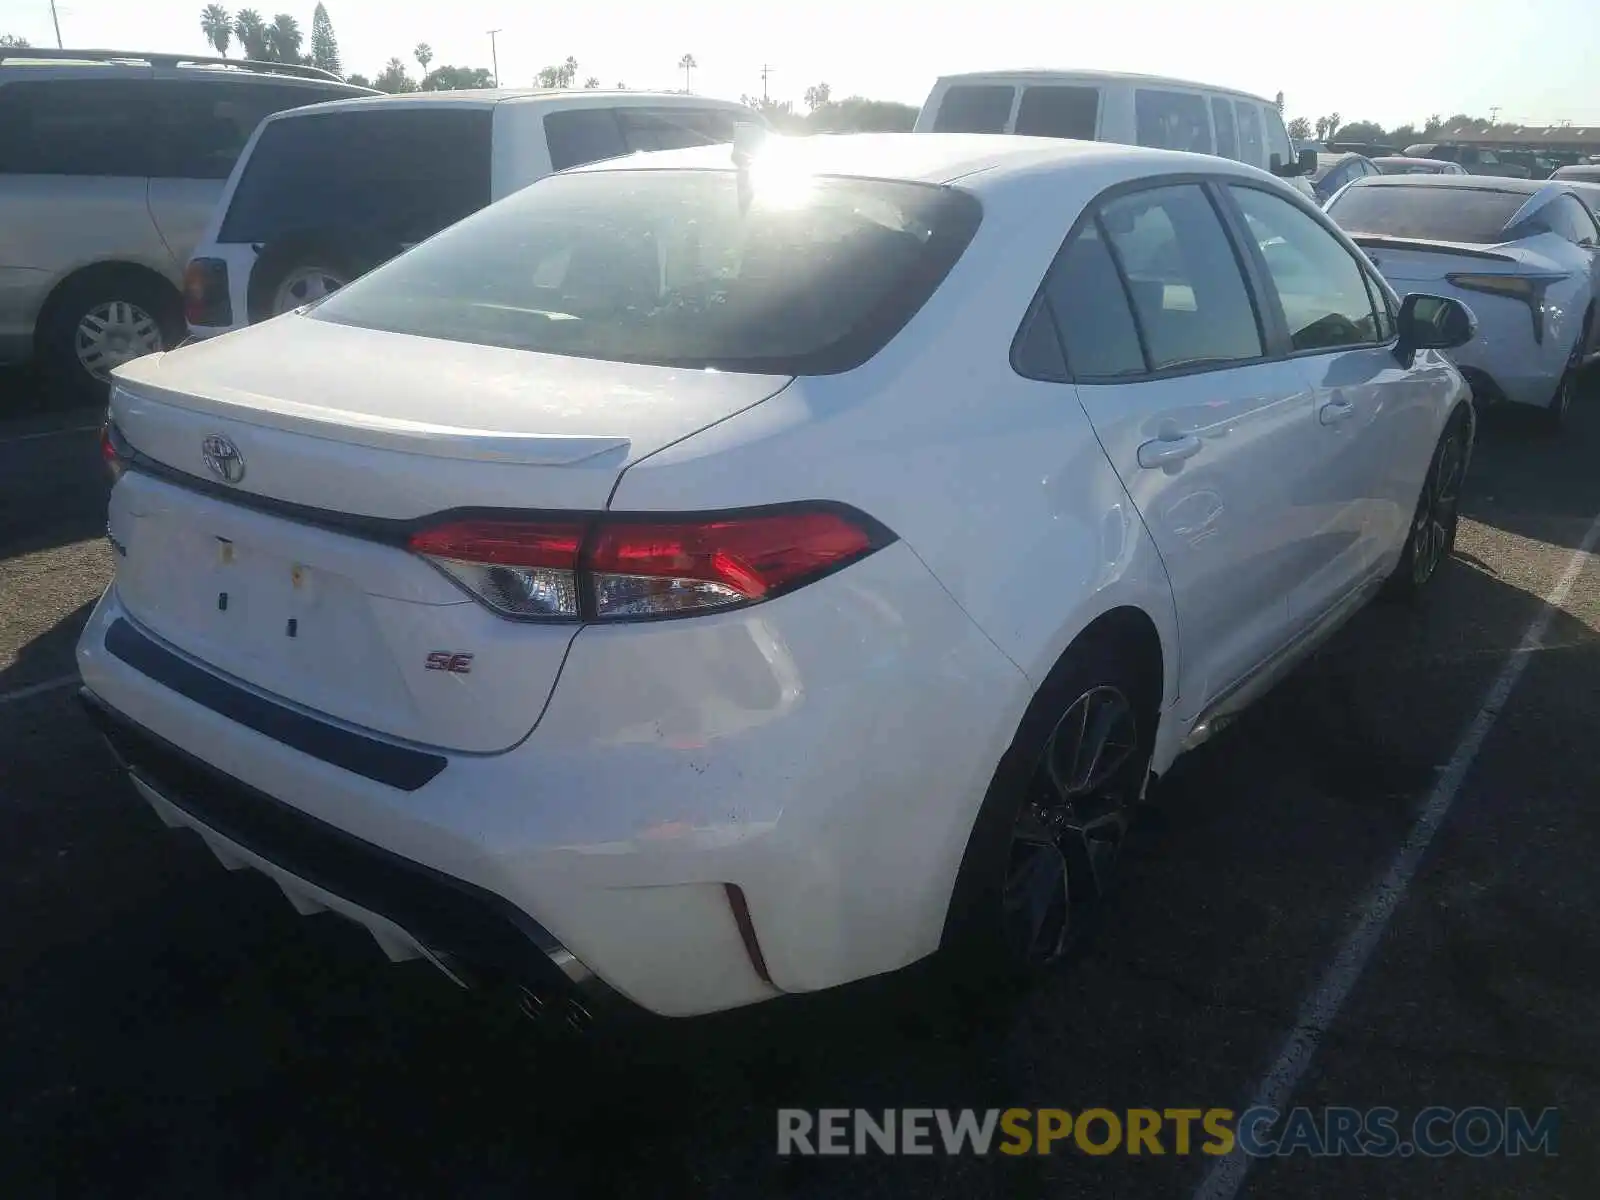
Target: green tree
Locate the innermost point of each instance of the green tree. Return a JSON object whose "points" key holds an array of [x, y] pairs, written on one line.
{"points": [[591, 83], [217, 26], [1403, 135], [424, 55], [857, 114], [817, 95], [1432, 125], [324, 46], [393, 78], [1300, 129], [358, 80], [455, 79], [284, 38], [251, 31], [561, 76], [1362, 131], [687, 64]]}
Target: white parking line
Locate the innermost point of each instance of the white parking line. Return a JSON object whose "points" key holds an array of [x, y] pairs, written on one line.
{"points": [[48, 433], [1223, 1180], [38, 689]]}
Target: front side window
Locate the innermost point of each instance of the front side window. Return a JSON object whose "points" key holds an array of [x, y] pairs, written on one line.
{"points": [[1172, 120], [1320, 285], [1188, 292], [78, 127], [674, 128], [698, 269], [1277, 136], [583, 135], [402, 174], [975, 108], [1250, 143], [1060, 112]]}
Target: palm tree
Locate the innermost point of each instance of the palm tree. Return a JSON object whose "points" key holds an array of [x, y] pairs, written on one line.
{"points": [[424, 55], [251, 31], [569, 71], [686, 64], [592, 82], [217, 25], [284, 38]]}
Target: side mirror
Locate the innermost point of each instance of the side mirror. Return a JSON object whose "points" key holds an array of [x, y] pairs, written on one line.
{"points": [[1433, 323], [1304, 164]]}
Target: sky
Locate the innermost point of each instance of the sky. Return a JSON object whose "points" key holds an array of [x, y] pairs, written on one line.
{"points": [[1539, 62]]}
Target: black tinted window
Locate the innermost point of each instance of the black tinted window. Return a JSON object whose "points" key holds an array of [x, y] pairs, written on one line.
{"points": [[1172, 120], [201, 125], [682, 268], [1188, 293], [1579, 172], [1090, 305], [400, 174], [77, 127], [1062, 112], [1320, 286], [1038, 350], [1448, 214], [1227, 139], [974, 108], [673, 128], [583, 135]]}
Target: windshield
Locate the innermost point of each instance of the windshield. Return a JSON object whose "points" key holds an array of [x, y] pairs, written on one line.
{"points": [[1477, 216], [791, 275]]}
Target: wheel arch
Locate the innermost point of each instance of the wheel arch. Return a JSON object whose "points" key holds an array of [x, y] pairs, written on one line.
{"points": [[104, 268]]}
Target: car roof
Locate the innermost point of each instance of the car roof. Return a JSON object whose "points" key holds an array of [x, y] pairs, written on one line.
{"points": [[1412, 160], [1048, 75], [927, 157], [1480, 183], [493, 97]]}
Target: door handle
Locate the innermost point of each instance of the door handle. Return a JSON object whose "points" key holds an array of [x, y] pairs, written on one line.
{"points": [[1335, 411], [1164, 452]]}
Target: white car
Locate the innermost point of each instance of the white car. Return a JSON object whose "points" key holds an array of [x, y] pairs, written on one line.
{"points": [[1525, 254], [315, 202], [711, 575]]}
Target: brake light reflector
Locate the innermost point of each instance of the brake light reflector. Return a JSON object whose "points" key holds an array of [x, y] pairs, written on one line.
{"points": [[205, 293], [615, 568]]}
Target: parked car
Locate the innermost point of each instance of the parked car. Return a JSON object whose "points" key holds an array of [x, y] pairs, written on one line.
{"points": [[1578, 173], [1335, 170], [1522, 253], [1136, 110], [1399, 164], [110, 165], [321, 198], [1365, 149], [622, 590], [1474, 160]]}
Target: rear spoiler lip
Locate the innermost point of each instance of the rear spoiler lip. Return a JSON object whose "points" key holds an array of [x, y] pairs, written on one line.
{"points": [[1380, 242]]}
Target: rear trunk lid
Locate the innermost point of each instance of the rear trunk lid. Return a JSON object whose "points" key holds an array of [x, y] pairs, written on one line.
{"points": [[281, 561]]}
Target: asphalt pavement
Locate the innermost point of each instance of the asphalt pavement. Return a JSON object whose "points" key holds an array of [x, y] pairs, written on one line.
{"points": [[171, 1029]]}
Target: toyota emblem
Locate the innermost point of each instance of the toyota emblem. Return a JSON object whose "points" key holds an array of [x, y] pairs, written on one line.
{"points": [[223, 458]]}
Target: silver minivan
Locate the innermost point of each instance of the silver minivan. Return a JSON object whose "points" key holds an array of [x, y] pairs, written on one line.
{"points": [[110, 165], [1108, 106]]}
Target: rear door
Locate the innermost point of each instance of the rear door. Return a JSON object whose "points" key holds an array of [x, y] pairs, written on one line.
{"points": [[1207, 432]]}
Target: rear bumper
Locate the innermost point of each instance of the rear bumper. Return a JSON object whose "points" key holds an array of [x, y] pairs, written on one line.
{"points": [[824, 755]]}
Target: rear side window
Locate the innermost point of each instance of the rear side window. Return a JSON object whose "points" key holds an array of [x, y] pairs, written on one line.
{"points": [[78, 127], [1090, 306], [1189, 296], [1172, 120], [1567, 218], [401, 174], [585, 135], [1250, 147], [1227, 138], [1476, 216], [202, 126], [1059, 112], [680, 268], [975, 108]]}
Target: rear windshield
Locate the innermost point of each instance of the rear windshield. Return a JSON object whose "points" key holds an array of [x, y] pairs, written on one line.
{"points": [[400, 174], [975, 108], [1476, 216], [677, 267]]}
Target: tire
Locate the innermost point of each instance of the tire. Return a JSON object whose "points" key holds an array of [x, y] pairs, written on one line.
{"points": [[1554, 416], [305, 266], [1031, 844], [1438, 514], [99, 320]]}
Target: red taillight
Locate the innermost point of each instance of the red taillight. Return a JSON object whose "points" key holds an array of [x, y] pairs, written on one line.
{"points": [[111, 448], [610, 568], [205, 293]]}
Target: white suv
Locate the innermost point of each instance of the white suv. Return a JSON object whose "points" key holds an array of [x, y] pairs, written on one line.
{"points": [[318, 200]]}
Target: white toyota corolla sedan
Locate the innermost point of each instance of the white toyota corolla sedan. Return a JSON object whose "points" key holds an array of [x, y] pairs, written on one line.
{"points": [[1525, 253], [704, 577]]}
